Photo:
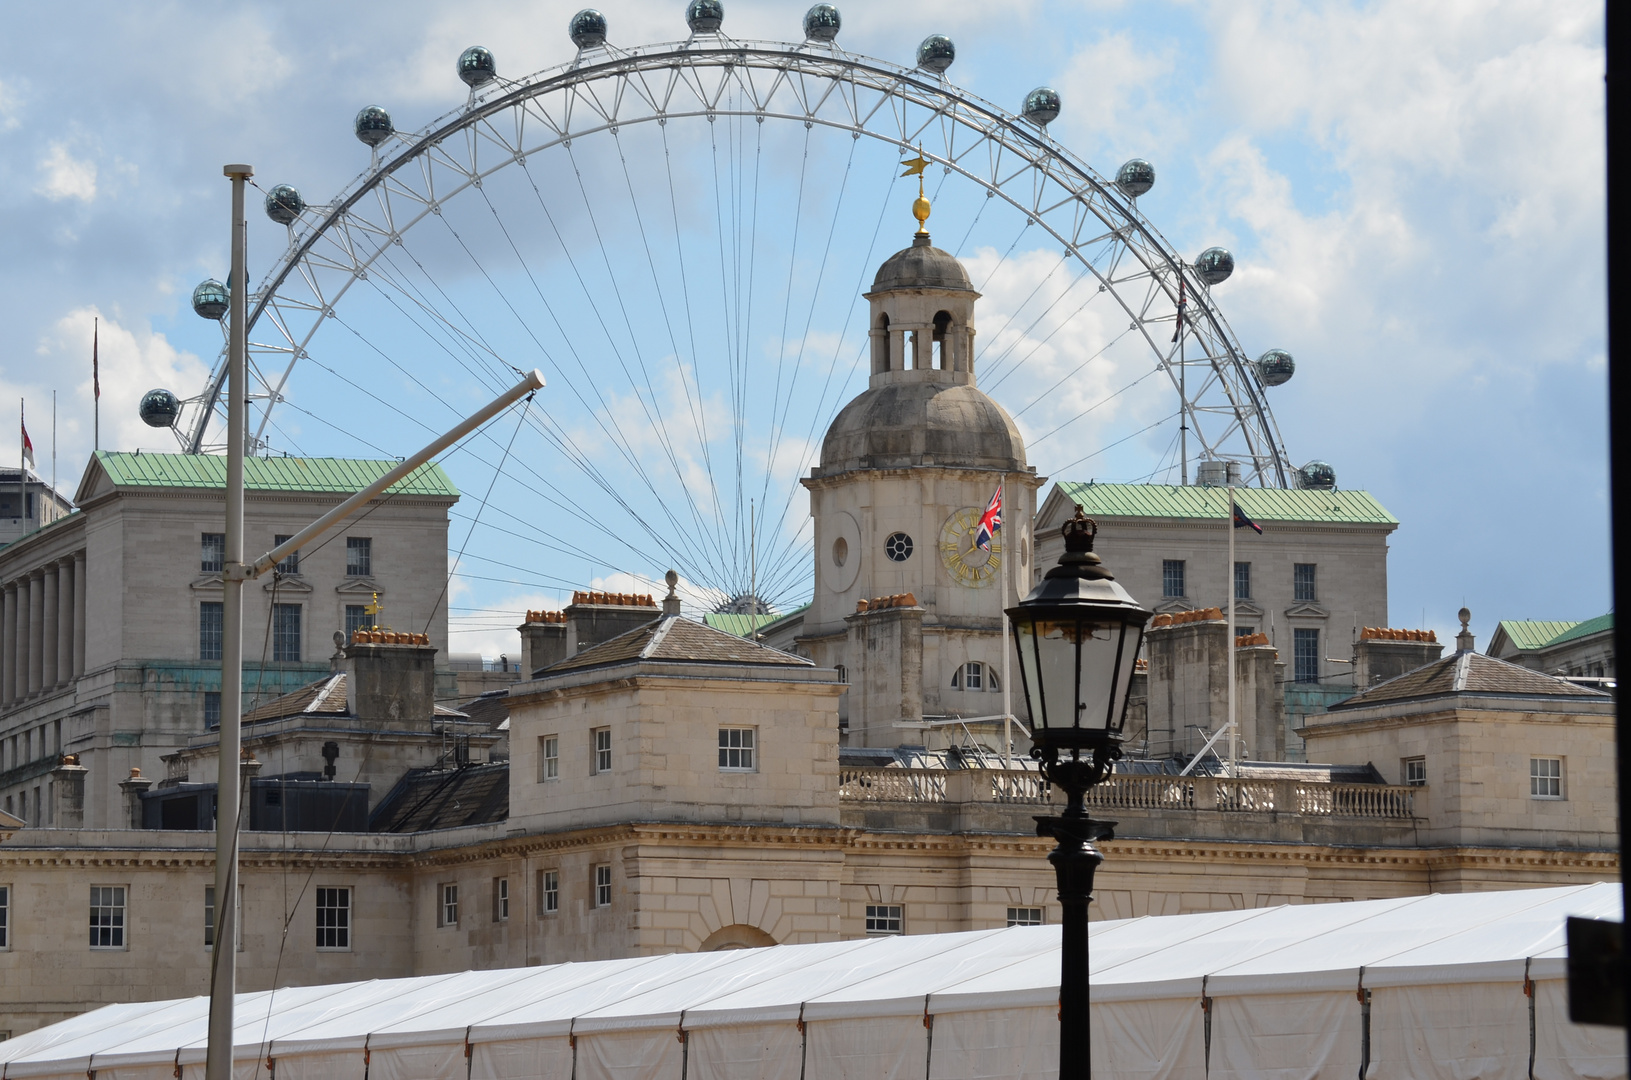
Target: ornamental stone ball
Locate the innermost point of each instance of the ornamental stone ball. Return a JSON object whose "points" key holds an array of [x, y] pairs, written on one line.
{"points": [[284, 204], [373, 125], [1041, 106], [821, 23], [936, 53], [587, 29], [477, 66], [1276, 367], [705, 16], [1317, 476], [1135, 177], [210, 300], [159, 408], [1214, 265]]}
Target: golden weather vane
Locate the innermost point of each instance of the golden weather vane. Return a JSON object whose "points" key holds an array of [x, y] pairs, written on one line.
{"points": [[373, 610], [920, 208]]}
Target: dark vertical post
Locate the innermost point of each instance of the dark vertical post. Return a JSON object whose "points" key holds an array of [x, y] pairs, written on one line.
{"points": [[1074, 861], [1618, 42]]}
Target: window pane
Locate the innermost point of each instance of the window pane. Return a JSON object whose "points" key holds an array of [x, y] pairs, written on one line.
{"points": [[356, 618], [359, 556], [1172, 577], [1024, 916], [212, 708], [1303, 582], [334, 918], [209, 915], [107, 917], [551, 891], [212, 554], [603, 886], [736, 748], [883, 919], [973, 673], [290, 565], [5, 917], [286, 632], [1243, 581], [209, 630], [1306, 654]]}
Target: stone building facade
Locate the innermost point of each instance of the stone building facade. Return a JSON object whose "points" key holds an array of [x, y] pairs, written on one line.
{"points": [[105, 643]]}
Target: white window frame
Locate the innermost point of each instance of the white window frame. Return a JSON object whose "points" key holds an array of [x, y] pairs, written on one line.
{"points": [[1026, 916], [5, 918], [887, 919], [549, 892], [118, 909], [973, 675], [447, 904], [501, 899], [209, 918], [549, 758], [601, 751], [738, 747], [1414, 772], [1547, 778], [603, 885], [341, 931]]}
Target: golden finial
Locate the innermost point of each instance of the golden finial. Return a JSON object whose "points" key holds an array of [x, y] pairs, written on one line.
{"points": [[372, 611], [920, 208]]}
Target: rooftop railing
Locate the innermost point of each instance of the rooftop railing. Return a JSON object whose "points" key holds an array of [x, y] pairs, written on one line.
{"points": [[873, 784]]}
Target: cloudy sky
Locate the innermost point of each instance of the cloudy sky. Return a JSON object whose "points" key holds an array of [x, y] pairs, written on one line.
{"points": [[1413, 194]]}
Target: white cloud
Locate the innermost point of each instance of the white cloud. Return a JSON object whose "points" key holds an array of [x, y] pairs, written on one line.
{"points": [[63, 176]]}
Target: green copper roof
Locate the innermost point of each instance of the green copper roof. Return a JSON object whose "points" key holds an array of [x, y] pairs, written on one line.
{"points": [[744, 625], [1260, 504], [1526, 634], [1584, 629], [337, 475]]}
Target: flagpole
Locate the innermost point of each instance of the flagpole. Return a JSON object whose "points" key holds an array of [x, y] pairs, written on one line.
{"points": [[1002, 613], [96, 385], [22, 466], [1229, 580], [53, 452]]}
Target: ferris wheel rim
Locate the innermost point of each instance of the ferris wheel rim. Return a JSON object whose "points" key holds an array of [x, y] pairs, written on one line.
{"points": [[814, 61]]}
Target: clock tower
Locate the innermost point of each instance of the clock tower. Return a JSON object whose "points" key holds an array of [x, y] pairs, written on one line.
{"points": [[908, 469]]}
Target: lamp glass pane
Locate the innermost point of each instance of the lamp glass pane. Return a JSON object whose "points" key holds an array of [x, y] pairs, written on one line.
{"points": [[1056, 670], [1025, 642], [1101, 643]]}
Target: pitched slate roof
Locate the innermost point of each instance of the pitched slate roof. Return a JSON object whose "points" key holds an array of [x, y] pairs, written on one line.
{"points": [[1467, 673], [1528, 634], [676, 640], [325, 697], [344, 476], [445, 799], [1260, 504]]}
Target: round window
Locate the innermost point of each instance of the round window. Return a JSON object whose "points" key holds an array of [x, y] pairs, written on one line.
{"points": [[840, 551], [898, 547]]}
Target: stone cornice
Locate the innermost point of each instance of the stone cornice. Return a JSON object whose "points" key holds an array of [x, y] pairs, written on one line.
{"points": [[1026, 476]]}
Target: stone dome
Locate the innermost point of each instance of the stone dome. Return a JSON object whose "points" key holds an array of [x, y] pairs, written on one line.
{"points": [[906, 424], [922, 266]]}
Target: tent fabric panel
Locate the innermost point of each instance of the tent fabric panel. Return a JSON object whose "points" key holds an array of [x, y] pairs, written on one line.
{"points": [[444, 1061], [137, 1072], [1565, 1050], [321, 1065], [522, 1059], [1147, 1040], [1286, 1036], [746, 1052], [885, 1048], [635, 1055], [1466, 1031], [996, 1045]]}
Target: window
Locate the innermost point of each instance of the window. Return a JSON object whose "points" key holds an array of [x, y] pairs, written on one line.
{"points": [[501, 899], [549, 758], [359, 556], [736, 749], [447, 909], [1172, 577], [1302, 581], [107, 916], [1245, 631], [883, 919], [1024, 916], [843, 673], [1243, 581], [898, 547], [603, 886], [212, 708], [603, 750], [286, 632], [334, 918], [209, 917], [973, 675], [209, 630], [1306, 654], [1546, 778], [1415, 771], [291, 564], [549, 891], [5, 917], [356, 618], [213, 553]]}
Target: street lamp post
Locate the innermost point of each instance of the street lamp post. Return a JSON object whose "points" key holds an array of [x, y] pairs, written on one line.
{"points": [[1078, 634]]}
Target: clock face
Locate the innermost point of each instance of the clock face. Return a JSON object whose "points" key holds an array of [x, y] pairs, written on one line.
{"points": [[969, 565]]}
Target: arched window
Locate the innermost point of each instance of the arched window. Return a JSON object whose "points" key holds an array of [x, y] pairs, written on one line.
{"points": [[941, 347], [880, 346], [974, 676]]}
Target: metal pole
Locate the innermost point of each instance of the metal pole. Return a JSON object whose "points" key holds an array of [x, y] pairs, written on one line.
{"points": [[1002, 639], [224, 955], [1074, 861], [1229, 582]]}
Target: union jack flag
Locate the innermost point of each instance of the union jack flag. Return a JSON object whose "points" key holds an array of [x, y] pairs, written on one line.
{"points": [[990, 522]]}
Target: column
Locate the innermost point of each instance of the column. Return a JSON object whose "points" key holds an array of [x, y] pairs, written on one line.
{"points": [[67, 585], [49, 578], [36, 630], [8, 643], [79, 614]]}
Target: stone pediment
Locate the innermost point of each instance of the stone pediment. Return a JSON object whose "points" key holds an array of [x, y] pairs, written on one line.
{"points": [[1243, 607], [208, 582], [290, 583], [365, 586], [1173, 604], [1307, 611]]}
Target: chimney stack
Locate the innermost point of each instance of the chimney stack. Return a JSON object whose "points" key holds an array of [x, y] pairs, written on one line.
{"points": [[134, 788], [68, 793], [391, 683]]}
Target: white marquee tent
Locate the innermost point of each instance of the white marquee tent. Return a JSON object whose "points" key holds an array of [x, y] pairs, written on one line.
{"points": [[1464, 986]]}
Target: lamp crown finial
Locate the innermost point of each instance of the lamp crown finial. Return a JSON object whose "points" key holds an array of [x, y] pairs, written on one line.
{"points": [[1079, 532]]}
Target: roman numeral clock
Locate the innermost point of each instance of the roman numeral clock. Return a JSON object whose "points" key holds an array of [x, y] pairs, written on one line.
{"points": [[969, 564]]}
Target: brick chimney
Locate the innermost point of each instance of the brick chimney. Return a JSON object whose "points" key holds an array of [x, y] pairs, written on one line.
{"points": [[391, 681]]}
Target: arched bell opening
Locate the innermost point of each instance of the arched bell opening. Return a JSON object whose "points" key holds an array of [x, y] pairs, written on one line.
{"points": [[943, 355], [880, 345]]}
